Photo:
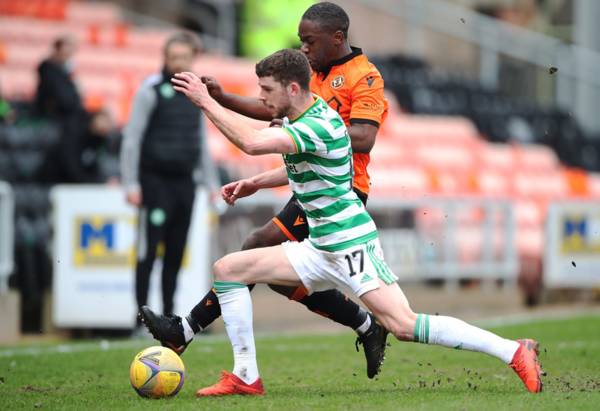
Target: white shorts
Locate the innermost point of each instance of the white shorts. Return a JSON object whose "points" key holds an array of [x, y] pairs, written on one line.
{"points": [[356, 267]]}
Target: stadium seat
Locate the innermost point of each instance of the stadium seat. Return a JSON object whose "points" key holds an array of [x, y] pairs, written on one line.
{"points": [[577, 181], [92, 12], [500, 157], [21, 86], [535, 157], [549, 185], [399, 181], [430, 130], [445, 157], [386, 153], [453, 183], [491, 183], [594, 185]]}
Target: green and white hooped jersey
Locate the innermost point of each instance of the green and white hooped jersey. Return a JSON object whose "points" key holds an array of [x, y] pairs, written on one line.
{"points": [[320, 175]]}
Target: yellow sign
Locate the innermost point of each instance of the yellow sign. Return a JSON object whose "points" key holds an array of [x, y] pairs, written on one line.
{"points": [[104, 241], [580, 234]]}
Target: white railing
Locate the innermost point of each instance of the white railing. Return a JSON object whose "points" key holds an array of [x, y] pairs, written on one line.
{"points": [[6, 234], [422, 239]]}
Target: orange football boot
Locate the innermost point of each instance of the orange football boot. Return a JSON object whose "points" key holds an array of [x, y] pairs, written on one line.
{"points": [[527, 366], [231, 384]]}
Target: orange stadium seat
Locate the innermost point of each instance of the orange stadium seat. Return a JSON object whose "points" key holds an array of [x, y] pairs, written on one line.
{"points": [[453, 182], [491, 183], [402, 180], [500, 157], [25, 56], [536, 157], [85, 12], [388, 153], [594, 185], [428, 129], [42, 9], [577, 181], [548, 185], [17, 84], [3, 52], [445, 157]]}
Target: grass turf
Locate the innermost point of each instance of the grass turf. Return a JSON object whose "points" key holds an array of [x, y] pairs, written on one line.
{"points": [[316, 372]]}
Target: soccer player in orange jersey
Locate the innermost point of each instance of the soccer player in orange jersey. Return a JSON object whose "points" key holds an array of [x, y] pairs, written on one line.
{"points": [[350, 84]]}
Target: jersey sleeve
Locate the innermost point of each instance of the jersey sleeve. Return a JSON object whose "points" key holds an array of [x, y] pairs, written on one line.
{"points": [[368, 102], [301, 135]]}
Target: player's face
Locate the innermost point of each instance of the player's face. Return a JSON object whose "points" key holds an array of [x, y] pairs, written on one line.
{"points": [[179, 57], [275, 96], [317, 45]]}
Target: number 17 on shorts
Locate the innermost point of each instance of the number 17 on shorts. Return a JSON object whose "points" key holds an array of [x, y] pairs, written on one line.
{"points": [[364, 264]]}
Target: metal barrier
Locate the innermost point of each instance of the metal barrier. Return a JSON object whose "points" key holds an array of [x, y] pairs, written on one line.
{"points": [[423, 239], [6, 234]]}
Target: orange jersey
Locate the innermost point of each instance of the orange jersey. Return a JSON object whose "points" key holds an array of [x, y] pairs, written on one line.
{"points": [[354, 88]]}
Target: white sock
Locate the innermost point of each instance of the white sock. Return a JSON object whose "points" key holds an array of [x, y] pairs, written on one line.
{"points": [[364, 327], [454, 333], [236, 309], [188, 332]]}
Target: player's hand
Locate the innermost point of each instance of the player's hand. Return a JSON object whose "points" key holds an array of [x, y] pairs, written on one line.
{"points": [[214, 88], [191, 85], [134, 197], [238, 189]]}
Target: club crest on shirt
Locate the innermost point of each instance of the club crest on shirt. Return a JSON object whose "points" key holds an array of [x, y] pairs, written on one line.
{"points": [[337, 82], [167, 90]]}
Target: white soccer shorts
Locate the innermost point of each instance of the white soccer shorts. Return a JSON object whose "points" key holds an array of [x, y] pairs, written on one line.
{"points": [[356, 267]]}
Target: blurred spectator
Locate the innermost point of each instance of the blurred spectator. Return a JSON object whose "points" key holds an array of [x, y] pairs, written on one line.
{"points": [[7, 114], [164, 143], [78, 157], [57, 96]]}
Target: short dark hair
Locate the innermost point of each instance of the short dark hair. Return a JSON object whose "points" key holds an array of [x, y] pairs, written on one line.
{"points": [[184, 37], [285, 66], [61, 41], [329, 16]]}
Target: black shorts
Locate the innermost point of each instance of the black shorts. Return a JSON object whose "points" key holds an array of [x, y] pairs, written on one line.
{"points": [[292, 219]]}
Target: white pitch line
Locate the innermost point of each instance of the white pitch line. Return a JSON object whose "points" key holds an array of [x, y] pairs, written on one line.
{"points": [[203, 343], [528, 317]]}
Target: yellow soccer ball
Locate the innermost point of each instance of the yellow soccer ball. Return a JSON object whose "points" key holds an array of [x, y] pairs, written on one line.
{"points": [[156, 372]]}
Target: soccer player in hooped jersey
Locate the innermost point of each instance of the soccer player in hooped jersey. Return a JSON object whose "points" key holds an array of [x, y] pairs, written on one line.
{"points": [[351, 85], [342, 247]]}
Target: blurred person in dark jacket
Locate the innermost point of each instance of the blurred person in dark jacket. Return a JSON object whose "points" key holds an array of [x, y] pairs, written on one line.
{"points": [[57, 97], [164, 154], [78, 158], [7, 114]]}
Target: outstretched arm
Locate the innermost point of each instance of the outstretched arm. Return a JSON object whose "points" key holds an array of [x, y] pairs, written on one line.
{"points": [[244, 188], [246, 106], [249, 140]]}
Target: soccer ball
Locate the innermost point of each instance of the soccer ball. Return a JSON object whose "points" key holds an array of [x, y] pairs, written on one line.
{"points": [[156, 372]]}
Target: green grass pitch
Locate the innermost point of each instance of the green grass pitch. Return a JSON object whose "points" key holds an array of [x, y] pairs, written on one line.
{"points": [[316, 372]]}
